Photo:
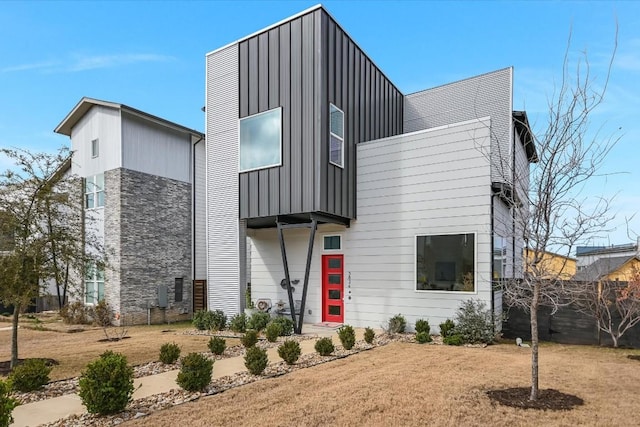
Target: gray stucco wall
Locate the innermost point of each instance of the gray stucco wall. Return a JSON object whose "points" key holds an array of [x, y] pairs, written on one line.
{"points": [[148, 239]]}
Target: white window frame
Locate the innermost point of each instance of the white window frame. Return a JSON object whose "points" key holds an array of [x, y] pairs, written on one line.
{"points": [[95, 191], [332, 250], [279, 163], [95, 148], [96, 282], [475, 264], [341, 138]]}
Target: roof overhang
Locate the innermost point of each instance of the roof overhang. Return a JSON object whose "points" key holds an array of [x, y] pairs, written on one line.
{"points": [[521, 122], [86, 104]]}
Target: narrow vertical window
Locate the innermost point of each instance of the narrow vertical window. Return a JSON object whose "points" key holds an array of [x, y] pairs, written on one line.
{"points": [[94, 191], [95, 148], [336, 137], [179, 282], [94, 284]]}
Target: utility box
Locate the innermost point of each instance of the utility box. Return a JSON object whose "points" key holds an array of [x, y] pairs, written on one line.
{"points": [[162, 296]]}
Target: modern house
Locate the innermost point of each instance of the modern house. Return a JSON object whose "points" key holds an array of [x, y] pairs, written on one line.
{"points": [[358, 202], [139, 184]]}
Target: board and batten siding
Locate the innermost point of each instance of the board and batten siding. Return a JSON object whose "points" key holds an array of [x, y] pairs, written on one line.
{"points": [[223, 228], [154, 149], [101, 123], [486, 95], [302, 65], [429, 182], [199, 212]]}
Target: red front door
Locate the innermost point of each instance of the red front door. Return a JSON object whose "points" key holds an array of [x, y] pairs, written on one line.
{"points": [[332, 288]]}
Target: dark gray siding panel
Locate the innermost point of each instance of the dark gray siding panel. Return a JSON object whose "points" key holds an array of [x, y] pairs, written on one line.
{"points": [[302, 66], [284, 190]]}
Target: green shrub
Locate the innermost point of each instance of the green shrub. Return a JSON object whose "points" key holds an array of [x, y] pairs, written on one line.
{"points": [[289, 351], [258, 321], [238, 323], [273, 331], [422, 325], [397, 324], [446, 328], [30, 375], [169, 353], [347, 336], [101, 314], [218, 320], [74, 313], [369, 335], [423, 337], [106, 385], [7, 403], [474, 323], [286, 323], [250, 338], [453, 339], [255, 359], [195, 372], [217, 345], [324, 346], [202, 320]]}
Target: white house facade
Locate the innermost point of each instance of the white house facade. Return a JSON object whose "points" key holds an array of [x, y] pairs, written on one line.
{"points": [[357, 202], [138, 175]]}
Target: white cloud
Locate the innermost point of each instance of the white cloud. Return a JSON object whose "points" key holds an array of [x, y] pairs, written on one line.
{"points": [[77, 63]]}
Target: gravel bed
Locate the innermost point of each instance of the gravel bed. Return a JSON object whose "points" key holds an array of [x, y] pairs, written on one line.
{"points": [[68, 386], [145, 406]]}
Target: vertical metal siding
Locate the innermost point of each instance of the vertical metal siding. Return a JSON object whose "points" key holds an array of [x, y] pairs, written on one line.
{"points": [[302, 66], [223, 234], [308, 114], [283, 193], [200, 211]]}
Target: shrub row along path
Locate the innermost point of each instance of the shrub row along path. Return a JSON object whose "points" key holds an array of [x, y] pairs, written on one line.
{"points": [[50, 410]]}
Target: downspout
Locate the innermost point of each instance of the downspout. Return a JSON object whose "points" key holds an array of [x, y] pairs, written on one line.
{"points": [[493, 310]]}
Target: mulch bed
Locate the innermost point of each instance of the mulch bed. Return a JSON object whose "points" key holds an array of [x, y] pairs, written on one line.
{"points": [[6, 370], [548, 399]]}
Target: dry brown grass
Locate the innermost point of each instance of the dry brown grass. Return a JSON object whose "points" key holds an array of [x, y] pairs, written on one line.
{"points": [[414, 385], [74, 350]]}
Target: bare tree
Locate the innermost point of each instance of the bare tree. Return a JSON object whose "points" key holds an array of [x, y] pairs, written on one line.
{"points": [[41, 221], [555, 215], [614, 305]]}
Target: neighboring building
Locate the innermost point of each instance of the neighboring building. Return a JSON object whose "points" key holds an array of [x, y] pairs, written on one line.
{"points": [[139, 173], [552, 265], [613, 263], [414, 198]]}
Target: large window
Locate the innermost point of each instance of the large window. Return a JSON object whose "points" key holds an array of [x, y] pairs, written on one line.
{"points": [[94, 191], [94, 284], [336, 131], [445, 262], [261, 140]]}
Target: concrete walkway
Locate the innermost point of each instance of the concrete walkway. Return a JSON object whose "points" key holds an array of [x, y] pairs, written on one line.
{"points": [[46, 411]]}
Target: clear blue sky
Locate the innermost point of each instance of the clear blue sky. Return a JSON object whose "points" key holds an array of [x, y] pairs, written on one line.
{"points": [[151, 56]]}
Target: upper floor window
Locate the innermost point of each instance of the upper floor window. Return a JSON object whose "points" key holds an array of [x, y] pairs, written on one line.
{"points": [[95, 148], [94, 191], [445, 262], [336, 130], [261, 140]]}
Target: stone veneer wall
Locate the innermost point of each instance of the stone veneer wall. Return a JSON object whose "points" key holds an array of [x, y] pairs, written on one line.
{"points": [[148, 237]]}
